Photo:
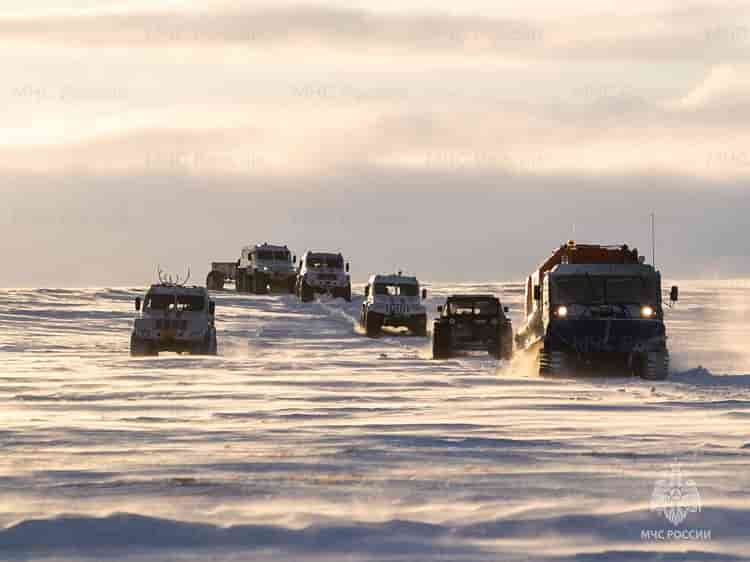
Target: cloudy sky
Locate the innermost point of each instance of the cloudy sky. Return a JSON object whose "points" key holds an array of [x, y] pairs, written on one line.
{"points": [[456, 140]]}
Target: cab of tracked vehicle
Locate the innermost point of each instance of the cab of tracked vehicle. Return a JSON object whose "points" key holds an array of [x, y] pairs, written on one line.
{"points": [[591, 291]]}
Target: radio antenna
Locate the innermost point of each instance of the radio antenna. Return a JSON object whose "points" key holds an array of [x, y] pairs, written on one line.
{"points": [[653, 240]]}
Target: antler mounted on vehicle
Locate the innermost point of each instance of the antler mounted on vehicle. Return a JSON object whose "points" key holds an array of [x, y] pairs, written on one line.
{"points": [[168, 279]]}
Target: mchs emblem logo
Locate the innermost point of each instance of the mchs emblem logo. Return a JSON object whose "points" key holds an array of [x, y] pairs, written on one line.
{"points": [[675, 497]]}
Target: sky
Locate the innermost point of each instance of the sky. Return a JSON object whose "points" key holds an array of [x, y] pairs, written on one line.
{"points": [[456, 141]]}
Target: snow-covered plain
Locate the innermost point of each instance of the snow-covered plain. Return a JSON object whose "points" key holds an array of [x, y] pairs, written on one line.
{"points": [[305, 440]]}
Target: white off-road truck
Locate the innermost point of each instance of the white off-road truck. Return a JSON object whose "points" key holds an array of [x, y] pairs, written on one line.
{"points": [[323, 272], [174, 318], [265, 267], [393, 300]]}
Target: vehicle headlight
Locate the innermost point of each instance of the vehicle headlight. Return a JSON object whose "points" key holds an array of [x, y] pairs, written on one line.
{"points": [[562, 311], [265, 268], [647, 311]]}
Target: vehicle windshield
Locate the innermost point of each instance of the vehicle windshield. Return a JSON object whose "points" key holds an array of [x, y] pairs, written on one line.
{"points": [[325, 260], [587, 289], [190, 303], [181, 303], [403, 290], [478, 307], [273, 255], [159, 302]]}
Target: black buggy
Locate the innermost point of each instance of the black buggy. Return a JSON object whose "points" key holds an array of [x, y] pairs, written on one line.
{"points": [[472, 322]]}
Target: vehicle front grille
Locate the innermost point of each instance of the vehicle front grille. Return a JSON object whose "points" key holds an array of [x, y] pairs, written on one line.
{"points": [[171, 324]]}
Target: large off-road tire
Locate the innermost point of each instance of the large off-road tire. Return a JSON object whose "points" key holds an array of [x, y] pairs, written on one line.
{"points": [[441, 341], [292, 285], [137, 347], [241, 284], [210, 346], [207, 346], [552, 363], [373, 324], [347, 293], [215, 281], [141, 348], [418, 326], [497, 347], [306, 293], [653, 365], [260, 283], [503, 346]]}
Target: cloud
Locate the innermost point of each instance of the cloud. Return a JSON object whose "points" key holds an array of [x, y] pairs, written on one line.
{"points": [[696, 32], [301, 25], [444, 224], [365, 127], [725, 85], [313, 137]]}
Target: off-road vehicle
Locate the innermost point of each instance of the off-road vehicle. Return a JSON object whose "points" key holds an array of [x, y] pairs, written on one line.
{"points": [[393, 300], [265, 267], [323, 272], [221, 272], [174, 318], [472, 322], [590, 307]]}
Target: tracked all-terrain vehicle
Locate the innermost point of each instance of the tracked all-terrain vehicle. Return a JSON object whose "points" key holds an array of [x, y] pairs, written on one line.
{"points": [[471, 323], [174, 318], [323, 273], [590, 307], [393, 300]]}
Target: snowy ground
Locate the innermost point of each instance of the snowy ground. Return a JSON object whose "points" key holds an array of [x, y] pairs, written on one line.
{"points": [[306, 440]]}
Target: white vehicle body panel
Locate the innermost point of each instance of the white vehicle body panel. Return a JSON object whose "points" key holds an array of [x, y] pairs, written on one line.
{"points": [[173, 323], [394, 304], [274, 268], [324, 278]]}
